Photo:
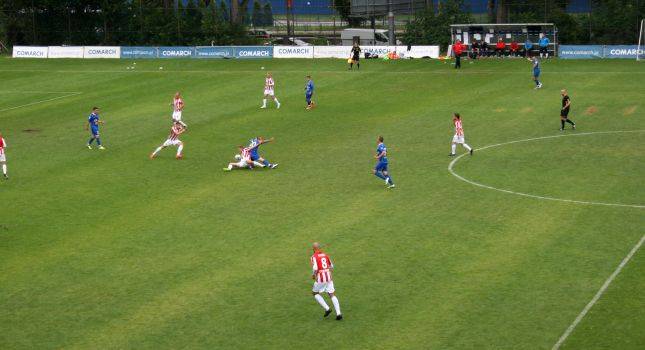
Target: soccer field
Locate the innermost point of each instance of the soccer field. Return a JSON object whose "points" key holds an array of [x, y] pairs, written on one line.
{"points": [[111, 250]]}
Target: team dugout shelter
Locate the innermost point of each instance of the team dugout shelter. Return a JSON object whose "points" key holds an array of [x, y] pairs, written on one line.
{"points": [[508, 32]]}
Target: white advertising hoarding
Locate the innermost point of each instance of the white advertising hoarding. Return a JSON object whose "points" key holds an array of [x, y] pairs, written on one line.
{"points": [[293, 51], [30, 51], [66, 52], [418, 51], [102, 52], [332, 51]]}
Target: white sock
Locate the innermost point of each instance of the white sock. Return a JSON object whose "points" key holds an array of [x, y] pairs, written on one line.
{"points": [[157, 150], [467, 147], [547, 55], [454, 148], [264, 102], [4, 169], [230, 166], [276, 101], [258, 164], [321, 301], [181, 147], [334, 301]]}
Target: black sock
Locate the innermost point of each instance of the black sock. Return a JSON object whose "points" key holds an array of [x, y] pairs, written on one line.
{"points": [[570, 122], [562, 122], [358, 66]]}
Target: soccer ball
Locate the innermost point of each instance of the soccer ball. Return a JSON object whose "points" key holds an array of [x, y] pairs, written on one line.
{"points": [[238, 157]]}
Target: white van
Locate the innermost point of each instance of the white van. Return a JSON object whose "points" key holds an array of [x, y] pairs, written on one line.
{"points": [[376, 37]]}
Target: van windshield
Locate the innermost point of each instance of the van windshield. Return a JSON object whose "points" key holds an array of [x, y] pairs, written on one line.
{"points": [[381, 37]]}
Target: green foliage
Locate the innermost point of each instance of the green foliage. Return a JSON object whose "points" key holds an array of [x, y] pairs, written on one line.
{"points": [[430, 28], [343, 7], [257, 18], [268, 14]]}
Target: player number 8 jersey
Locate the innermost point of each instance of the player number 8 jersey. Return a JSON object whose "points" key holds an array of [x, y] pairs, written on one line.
{"points": [[322, 265]]}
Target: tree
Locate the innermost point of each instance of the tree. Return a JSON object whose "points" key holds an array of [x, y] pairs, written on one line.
{"points": [[344, 9], [268, 15], [432, 29], [257, 18]]}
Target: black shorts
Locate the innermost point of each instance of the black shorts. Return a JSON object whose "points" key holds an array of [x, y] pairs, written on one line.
{"points": [[356, 58], [564, 113], [544, 50]]}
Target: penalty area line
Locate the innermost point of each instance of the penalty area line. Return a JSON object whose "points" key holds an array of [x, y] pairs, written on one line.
{"points": [[41, 101], [595, 298]]}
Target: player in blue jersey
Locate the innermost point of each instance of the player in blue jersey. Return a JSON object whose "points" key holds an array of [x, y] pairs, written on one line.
{"points": [[309, 92], [380, 170], [93, 122], [254, 146], [536, 72]]}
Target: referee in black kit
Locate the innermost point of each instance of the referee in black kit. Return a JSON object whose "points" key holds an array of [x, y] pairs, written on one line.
{"points": [[564, 112]]}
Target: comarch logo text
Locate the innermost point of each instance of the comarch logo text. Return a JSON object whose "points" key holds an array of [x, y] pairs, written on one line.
{"points": [[177, 53], [28, 53], [102, 52], [626, 52], [297, 51], [254, 53]]}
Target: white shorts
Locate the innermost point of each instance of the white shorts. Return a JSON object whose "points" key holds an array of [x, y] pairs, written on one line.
{"points": [[176, 116], [170, 142], [269, 92], [3, 158], [458, 139], [323, 287]]}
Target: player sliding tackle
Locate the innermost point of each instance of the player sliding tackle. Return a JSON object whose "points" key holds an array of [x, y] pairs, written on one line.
{"points": [[243, 160], [254, 145], [173, 140]]}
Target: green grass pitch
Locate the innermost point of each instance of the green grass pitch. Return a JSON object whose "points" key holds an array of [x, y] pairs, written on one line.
{"points": [[112, 250]]}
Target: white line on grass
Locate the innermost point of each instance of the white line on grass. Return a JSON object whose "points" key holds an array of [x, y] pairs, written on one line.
{"points": [[598, 295], [454, 161], [36, 92], [41, 101]]}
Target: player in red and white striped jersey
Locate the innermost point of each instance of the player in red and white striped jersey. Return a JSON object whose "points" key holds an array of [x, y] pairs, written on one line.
{"points": [[243, 160], [3, 157], [269, 91], [173, 140], [459, 136], [321, 273], [177, 109]]}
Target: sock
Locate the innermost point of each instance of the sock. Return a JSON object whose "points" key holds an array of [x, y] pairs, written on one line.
{"points": [[4, 169], [358, 65], [230, 166], [276, 101], [182, 123], [98, 141], [266, 162], [466, 147], [389, 178], [570, 122], [379, 175], [258, 164], [264, 102], [90, 141], [562, 122], [157, 150], [547, 55], [334, 301], [179, 149], [454, 148], [321, 301]]}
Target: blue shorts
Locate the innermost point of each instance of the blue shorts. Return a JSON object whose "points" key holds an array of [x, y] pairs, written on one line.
{"points": [[381, 166], [536, 72], [95, 130]]}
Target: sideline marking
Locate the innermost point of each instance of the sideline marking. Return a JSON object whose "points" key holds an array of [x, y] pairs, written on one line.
{"points": [[454, 161], [41, 101], [598, 295]]}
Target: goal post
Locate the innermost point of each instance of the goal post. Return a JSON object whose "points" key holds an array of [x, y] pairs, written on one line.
{"points": [[641, 41]]}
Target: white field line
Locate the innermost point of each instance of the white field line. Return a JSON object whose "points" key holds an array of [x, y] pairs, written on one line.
{"points": [[600, 292], [454, 161], [36, 92], [447, 72], [41, 101]]}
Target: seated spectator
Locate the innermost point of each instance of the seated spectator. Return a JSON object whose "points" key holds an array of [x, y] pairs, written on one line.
{"points": [[514, 48], [474, 50], [500, 47], [528, 46], [484, 48]]}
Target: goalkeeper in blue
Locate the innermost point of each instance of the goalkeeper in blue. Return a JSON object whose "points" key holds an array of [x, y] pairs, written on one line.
{"points": [[380, 170]]}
